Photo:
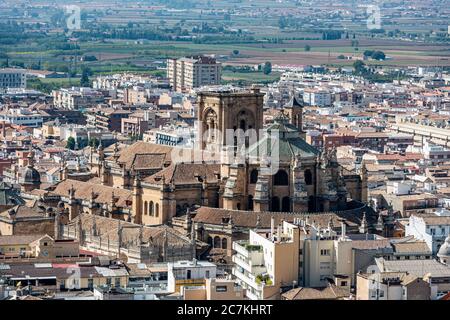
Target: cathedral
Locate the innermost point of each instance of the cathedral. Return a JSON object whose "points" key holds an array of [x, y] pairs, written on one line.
{"points": [[274, 171], [306, 180]]}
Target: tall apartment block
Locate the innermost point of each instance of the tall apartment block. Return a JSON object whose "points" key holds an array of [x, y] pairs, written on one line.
{"points": [[192, 72], [12, 78]]}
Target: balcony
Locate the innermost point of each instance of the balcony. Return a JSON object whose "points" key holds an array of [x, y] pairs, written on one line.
{"points": [[245, 249], [251, 295], [252, 266], [249, 280]]}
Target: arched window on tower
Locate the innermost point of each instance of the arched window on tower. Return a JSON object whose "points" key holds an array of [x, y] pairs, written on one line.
{"points": [[308, 177], [281, 178], [224, 243], [254, 176], [145, 208], [216, 242], [151, 209], [157, 210]]}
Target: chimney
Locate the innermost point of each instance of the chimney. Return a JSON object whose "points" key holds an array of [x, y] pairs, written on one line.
{"points": [[272, 227], [343, 226]]}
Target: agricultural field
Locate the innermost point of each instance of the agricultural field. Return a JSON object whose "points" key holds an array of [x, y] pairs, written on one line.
{"points": [[139, 36]]}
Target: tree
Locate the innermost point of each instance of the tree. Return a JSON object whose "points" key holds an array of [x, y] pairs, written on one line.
{"points": [[93, 142], [71, 143], [378, 55], [84, 81], [267, 69], [307, 47], [360, 67], [235, 52], [368, 53]]}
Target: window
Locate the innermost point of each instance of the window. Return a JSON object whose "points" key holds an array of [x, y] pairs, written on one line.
{"points": [[117, 282], [221, 289], [224, 243], [151, 208], [286, 204], [207, 274], [250, 203], [381, 293], [275, 204], [281, 178], [188, 274], [108, 281], [157, 210], [308, 177], [254, 176], [145, 207], [324, 265], [45, 244], [324, 252], [90, 283], [216, 242]]}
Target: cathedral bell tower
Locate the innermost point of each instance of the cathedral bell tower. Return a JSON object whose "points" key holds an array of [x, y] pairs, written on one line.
{"points": [[294, 110], [220, 111]]}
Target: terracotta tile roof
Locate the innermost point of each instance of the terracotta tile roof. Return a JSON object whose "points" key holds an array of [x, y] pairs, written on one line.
{"points": [[83, 190], [412, 247], [371, 244], [328, 293], [146, 155], [185, 173], [248, 219], [432, 219], [28, 210], [128, 154], [19, 239], [108, 228]]}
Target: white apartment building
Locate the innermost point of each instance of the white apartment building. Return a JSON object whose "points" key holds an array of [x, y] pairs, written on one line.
{"points": [[316, 97], [22, 117], [192, 72], [76, 98], [12, 78], [435, 153], [268, 261], [433, 229], [325, 255], [302, 254], [189, 273]]}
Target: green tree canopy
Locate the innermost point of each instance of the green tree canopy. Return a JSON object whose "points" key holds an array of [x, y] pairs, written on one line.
{"points": [[267, 69], [71, 143]]}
